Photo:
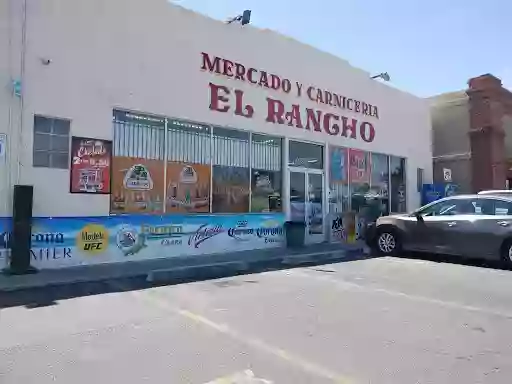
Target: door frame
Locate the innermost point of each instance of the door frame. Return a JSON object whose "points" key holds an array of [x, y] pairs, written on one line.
{"points": [[315, 238]]}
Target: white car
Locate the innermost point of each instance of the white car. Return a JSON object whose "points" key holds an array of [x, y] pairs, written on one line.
{"points": [[497, 192]]}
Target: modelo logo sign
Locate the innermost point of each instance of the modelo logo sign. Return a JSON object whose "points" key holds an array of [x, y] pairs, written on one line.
{"points": [[92, 239]]}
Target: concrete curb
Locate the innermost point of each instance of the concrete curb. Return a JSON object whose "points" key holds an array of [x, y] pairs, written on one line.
{"points": [[240, 267], [192, 272]]}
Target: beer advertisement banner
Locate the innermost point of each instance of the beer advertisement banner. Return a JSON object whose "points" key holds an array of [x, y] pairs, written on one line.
{"points": [[188, 187], [90, 165], [359, 166], [67, 242], [137, 185], [338, 165]]}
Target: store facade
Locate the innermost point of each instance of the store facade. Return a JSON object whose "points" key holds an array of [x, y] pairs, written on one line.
{"points": [[201, 141]]}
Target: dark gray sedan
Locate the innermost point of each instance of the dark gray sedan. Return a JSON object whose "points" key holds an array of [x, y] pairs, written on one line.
{"points": [[473, 226]]}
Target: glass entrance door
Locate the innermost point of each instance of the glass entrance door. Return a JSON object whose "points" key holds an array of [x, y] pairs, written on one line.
{"points": [[306, 202]]}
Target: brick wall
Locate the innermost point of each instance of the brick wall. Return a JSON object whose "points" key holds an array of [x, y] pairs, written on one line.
{"points": [[489, 103]]}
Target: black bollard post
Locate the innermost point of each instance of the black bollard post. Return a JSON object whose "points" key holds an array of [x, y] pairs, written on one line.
{"points": [[20, 239]]}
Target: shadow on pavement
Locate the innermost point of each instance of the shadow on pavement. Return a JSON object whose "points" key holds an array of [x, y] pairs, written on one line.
{"points": [[51, 295], [481, 263]]}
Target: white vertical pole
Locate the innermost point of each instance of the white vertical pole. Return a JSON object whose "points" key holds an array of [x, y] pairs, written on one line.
{"points": [[326, 205], [211, 167], [250, 171], [285, 195], [389, 185], [166, 156]]}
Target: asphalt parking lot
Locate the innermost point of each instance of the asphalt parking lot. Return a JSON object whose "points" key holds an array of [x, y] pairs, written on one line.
{"points": [[381, 320]]}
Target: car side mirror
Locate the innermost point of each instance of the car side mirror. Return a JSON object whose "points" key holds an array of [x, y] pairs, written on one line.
{"points": [[418, 216]]}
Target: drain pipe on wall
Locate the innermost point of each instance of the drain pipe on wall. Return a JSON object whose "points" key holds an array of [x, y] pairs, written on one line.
{"points": [[22, 95], [8, 160]]}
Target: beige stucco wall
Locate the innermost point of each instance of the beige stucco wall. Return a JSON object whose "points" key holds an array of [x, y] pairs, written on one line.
{"points": [[11, 21], [450, 141], [146, 56]]}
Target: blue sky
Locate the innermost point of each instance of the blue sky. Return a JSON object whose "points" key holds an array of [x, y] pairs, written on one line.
{"points": [[427, 46]]}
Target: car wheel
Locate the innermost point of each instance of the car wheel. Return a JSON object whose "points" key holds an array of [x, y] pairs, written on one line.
{"points": [[506, 253], [387, 242]]}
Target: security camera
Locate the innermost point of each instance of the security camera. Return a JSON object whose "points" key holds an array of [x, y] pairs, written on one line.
{"points": [[46, 61]]}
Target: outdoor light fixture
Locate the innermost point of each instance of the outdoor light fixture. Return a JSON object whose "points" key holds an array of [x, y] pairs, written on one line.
{"points": [[244, 18], [384, 76]]}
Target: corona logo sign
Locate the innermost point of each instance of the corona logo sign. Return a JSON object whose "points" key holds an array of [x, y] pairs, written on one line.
{"points": [[93, 239]]}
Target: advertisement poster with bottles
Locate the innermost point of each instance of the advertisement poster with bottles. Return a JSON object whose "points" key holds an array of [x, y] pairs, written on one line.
{"points": [[137, 185], [188, 187], [359, 166], [90, 165]]}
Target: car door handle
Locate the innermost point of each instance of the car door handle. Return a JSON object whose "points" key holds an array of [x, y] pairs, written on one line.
{"points": [[504, 223], [452, 223]]}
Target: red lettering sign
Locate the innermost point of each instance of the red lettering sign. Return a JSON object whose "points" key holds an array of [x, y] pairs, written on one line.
{"points": [[222, 99], [272, 81]]}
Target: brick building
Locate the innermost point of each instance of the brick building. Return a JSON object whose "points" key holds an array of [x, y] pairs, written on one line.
{"points": [[470, 135]]}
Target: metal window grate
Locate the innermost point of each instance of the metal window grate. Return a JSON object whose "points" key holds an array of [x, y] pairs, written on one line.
{"points": [[139, 140], [266, 152], [188, 143], [230, 148]]}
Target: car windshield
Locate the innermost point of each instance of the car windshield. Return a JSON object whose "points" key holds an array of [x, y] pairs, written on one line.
{"points": [[449, 207]]}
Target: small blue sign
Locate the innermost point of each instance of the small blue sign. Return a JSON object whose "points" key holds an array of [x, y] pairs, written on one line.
{"points": [[16, 87], [3, 146]]}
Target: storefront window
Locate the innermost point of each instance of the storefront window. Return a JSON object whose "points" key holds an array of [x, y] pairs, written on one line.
{"points": [[168, 165], [188, 167], [230, 171], [398, 186], [305, 155], [297, 196], [338, 176], [266, 173], [359, 174], [138, 163], [379, 183]]}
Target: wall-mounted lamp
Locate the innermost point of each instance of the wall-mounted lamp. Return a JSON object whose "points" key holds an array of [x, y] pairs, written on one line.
{"points": [[244, 18], [384, 76]]}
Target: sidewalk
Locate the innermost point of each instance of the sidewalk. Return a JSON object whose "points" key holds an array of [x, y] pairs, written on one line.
{"points": [[168, 269]]}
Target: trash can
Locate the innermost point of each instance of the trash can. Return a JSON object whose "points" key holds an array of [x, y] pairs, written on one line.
{"points": [[295, 232]]}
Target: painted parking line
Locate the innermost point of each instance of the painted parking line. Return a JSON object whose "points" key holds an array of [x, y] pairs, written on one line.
{"points": [[151, 296], [345, 285], [245, 377]]}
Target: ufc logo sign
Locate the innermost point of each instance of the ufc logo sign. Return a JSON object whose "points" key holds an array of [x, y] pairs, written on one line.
{"points": [[92, 246]]}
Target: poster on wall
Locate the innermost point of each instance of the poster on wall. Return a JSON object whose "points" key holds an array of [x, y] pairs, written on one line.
{"points": [[359, 167], [69, 242], [188, 187], [137, 185], [90, 165], [338, 165]]}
